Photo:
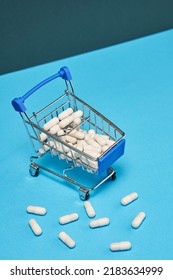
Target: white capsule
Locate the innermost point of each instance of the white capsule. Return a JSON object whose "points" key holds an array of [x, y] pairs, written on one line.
{"points": [[70, 139], [65, 113], [100, 140], [99, 223], [120, 246], [44, 149], [71, 155], [104, 148], [93, 149], [83, 143], [91, 152], [91, 132], [35, 227], [92, 142], [54, 129], [62, 148], [91, 163], [106, 137], [51, 123], [36, 210], [65, 122], [68, 218], [43, 136], [77, 121], [77, 134], [110, 142], [79, 146], [89, 209], [64, 237], [77, 114], [138, 220], [129, 198]]}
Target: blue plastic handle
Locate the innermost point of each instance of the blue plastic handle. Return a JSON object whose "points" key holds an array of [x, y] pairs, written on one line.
{"points": [[18, 102]]}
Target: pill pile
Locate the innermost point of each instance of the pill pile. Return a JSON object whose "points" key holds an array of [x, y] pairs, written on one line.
{"points": [[67, 128], [94, 223]]}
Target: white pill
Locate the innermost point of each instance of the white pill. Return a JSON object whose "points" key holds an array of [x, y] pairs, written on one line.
{"points": [[94, 149], [110, 142], [100, 140], [89, 162], [65, 113], [65, 122], [83, 143], [92, 142], [120, 246], [44, 149], [89, 209], [129, 198], [35, 227], [68, 218], [62, 148], [138, 220], [91, 132], [43, 136], [79, 146], [91, 152], [51, 123], [106, 137], [104, 148], [70, 156], [77, 114], [77, 121], [77, 134], [64, 237], [70, 139], [36, 210], [54, 129], [99, 223]]}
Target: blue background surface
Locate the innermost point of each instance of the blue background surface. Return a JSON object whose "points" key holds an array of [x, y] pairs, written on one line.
{"points": [[132, 85]]}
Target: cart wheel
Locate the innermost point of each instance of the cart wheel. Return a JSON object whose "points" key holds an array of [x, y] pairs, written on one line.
{"points": [[34, 170], [114, 176], [83, 193], [109, 171]]}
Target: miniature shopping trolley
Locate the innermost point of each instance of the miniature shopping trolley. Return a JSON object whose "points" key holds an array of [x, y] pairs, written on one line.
{"points": [[45, 141]]}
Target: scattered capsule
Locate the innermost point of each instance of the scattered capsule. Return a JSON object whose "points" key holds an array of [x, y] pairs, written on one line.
{"points": [[99, 223], [51, 123], [129, 198], [120, 246], [36, 210], [65, 113], [89, 209], [35, 227], [68, 218], [138, 220], [64, 237]]}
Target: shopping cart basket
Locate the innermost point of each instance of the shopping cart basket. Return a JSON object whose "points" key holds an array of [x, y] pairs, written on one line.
{"points": [[44, 142]]}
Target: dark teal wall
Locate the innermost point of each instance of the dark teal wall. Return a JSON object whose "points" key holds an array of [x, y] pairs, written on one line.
{"points": [[38, 31]]}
